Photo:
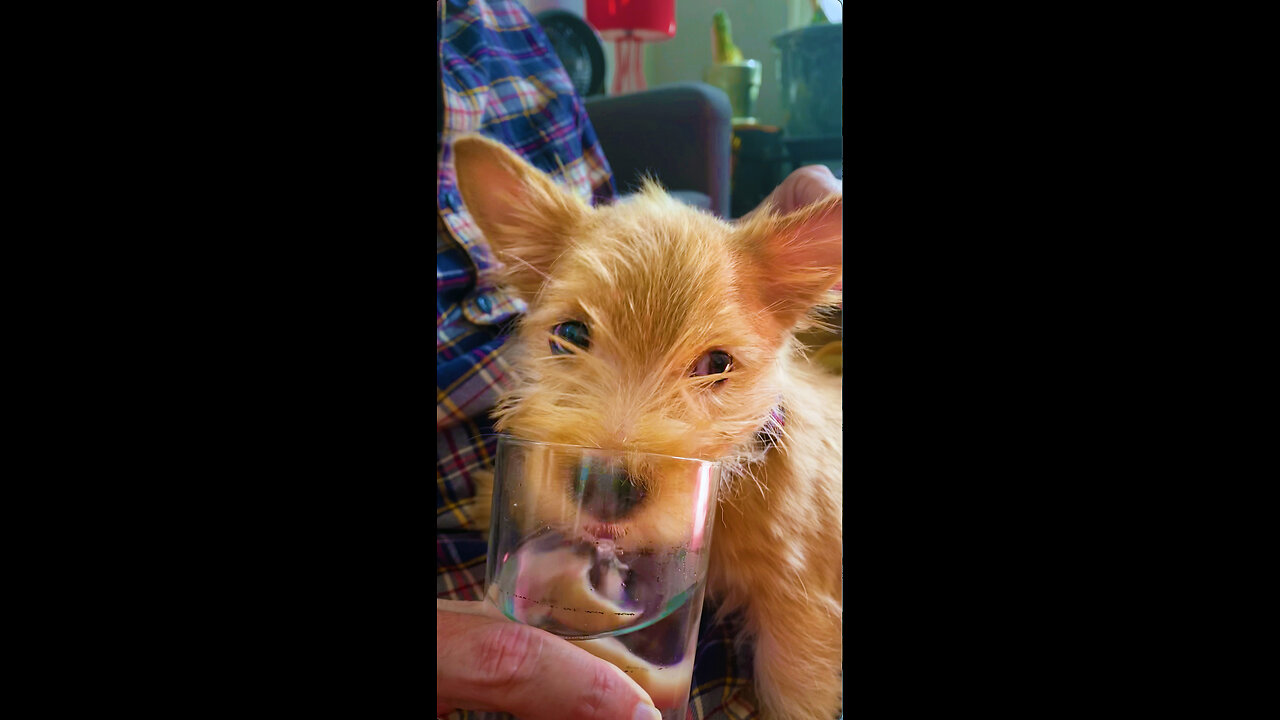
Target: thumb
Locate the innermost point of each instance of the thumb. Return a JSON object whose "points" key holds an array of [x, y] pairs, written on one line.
{"points": [[484, 663]]}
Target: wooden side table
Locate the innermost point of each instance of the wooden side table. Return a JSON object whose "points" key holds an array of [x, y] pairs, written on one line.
{"points": [[763, 157], [758, 165], [827, 151]]}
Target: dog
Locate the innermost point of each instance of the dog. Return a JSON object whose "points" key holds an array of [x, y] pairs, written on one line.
{"points": [[655, 327]]}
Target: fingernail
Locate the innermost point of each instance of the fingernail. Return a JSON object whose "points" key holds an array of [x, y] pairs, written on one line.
{"points": [[646, 712]]}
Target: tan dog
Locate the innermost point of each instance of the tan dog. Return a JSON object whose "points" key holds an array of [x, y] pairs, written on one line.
{"points": [[675, 334]]}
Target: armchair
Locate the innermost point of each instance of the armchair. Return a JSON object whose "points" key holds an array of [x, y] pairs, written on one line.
{"points": [[680, 133]]}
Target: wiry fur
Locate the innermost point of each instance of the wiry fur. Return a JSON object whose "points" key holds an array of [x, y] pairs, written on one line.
{"points": [[660, 284]]}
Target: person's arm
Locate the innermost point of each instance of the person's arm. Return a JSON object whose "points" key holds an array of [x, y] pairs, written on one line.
{"points": [[487, 662]]}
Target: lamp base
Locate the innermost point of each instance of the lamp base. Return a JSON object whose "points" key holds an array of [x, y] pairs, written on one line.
{"points": [[628, 76]]}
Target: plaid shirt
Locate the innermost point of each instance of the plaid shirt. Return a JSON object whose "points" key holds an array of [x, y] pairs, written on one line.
{"points": [[500, 77]]}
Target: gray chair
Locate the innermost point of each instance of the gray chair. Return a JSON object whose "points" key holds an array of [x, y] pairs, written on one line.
{"points": [[679, 133]]}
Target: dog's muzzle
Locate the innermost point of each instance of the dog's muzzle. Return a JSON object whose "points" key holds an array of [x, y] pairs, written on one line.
{"points": [[607, 492]]}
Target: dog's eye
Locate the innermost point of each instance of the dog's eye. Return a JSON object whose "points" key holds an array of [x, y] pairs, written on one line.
{"points": [[573, 331], [716, 361]]}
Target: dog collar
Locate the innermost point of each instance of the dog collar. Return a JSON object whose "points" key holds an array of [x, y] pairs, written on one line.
{"points": [[769, 435]]}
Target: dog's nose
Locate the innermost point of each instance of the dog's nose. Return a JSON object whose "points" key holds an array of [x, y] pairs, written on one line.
{"points": [[608, 493]]}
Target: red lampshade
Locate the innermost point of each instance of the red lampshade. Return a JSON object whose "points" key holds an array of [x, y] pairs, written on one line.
{"points": [[647, 20]]}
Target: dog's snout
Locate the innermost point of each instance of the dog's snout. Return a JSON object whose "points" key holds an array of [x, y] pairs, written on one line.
{"points": [[608, 493]]}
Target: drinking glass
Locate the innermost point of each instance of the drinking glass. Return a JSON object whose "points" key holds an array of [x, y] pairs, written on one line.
{"points": [[609, 550]]}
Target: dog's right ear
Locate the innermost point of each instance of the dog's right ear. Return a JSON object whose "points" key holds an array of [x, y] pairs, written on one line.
{"points": [[793, 260], [524, 216]]}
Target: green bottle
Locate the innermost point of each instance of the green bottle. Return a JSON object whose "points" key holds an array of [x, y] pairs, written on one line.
{"points": [[723, 50], [819, 17]]}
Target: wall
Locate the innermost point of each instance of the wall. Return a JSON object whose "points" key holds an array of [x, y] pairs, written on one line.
{"points": [[685, 57], [754, 22]]}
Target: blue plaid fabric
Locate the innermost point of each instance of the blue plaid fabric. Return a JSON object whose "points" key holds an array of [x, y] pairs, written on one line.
{"points": [[499, 77]]}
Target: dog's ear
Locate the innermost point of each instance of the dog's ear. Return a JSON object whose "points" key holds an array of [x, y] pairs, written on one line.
{"points": [[793, 260], [524, 216]]}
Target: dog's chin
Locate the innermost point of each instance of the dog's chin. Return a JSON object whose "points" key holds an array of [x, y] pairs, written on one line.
{"points": [[605, 530], [619, 536], [616, 535], [629, 535]]}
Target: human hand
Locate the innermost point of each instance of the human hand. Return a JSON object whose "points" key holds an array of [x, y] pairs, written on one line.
{"points": [[486, 662], [804, 186]]}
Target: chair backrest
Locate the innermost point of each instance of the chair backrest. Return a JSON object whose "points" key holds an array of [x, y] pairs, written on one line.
{"points": [[680, 133]]}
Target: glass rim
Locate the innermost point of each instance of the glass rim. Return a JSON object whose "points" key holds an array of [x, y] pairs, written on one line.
{"points": [[509, 438]]}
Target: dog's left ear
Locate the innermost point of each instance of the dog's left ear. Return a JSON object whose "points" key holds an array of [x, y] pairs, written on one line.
{"points": [[793, 260], [524, 216]]}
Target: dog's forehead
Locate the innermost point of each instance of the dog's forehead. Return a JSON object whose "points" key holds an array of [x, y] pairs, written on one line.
{"points": [[661, 267], [659, 260], [653, 243]]}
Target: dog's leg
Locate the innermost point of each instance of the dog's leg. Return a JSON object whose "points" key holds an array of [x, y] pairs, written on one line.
{"points": [[779, 559], [797, 656], [793, 613]]}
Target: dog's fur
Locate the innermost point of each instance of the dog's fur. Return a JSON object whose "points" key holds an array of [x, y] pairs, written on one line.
{"points": [[659, 285]]}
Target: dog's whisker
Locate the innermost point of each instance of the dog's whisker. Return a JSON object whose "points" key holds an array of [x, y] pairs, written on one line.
{"points": [[800, 579], [529, 265]]}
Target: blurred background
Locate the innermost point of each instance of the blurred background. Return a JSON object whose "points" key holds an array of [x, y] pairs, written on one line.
{"points": [[685, 57], [754, 22], [656, 75]]}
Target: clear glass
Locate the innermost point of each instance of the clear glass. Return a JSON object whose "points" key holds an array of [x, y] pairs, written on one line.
{"points": [[608, 550]]}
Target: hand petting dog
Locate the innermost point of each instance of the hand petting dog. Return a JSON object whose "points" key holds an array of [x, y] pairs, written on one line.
{"points": [[804, 186]]}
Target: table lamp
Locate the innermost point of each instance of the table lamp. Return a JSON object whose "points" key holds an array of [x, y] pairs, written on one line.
{"points": [[630, 24]]}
